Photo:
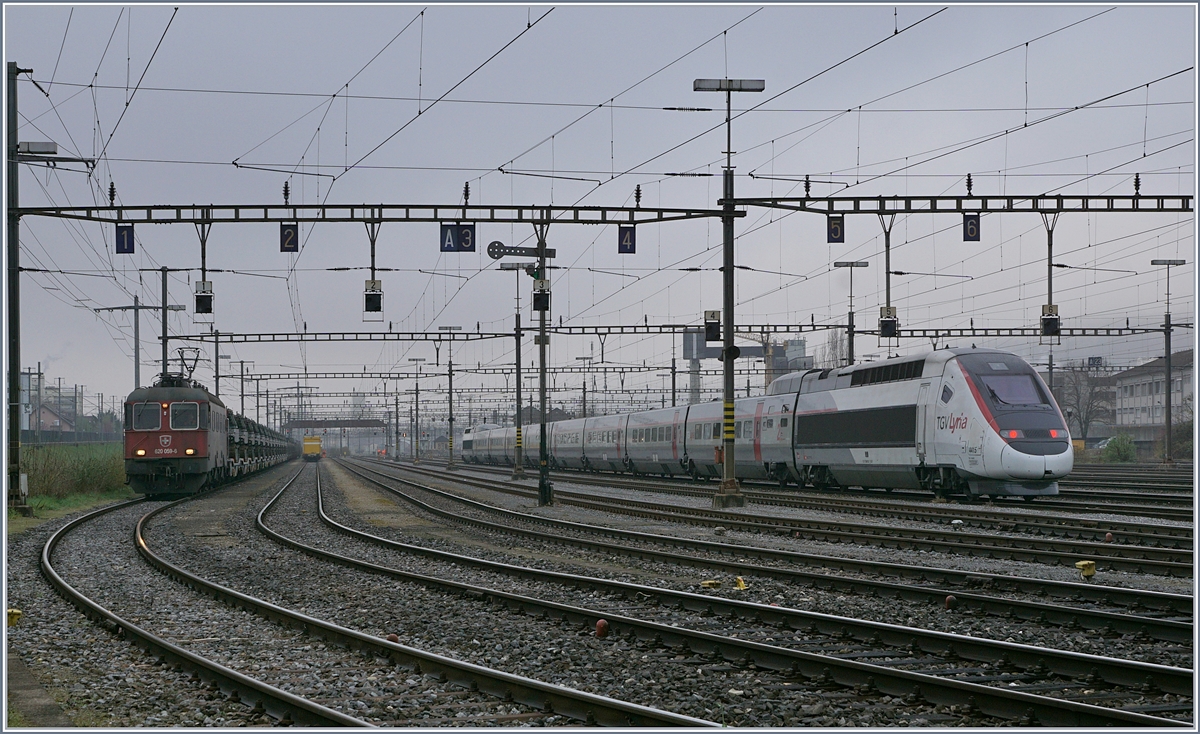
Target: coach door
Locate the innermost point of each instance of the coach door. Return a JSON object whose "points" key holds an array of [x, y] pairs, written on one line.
{"points": [[922, 420], [758, 417]]}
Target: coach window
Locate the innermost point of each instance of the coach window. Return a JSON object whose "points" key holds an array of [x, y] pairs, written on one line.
{"points": [[146, 417], [185, 416]]}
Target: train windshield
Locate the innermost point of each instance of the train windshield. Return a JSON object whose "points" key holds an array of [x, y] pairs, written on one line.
{"points": [[1006, 380], [1013, 389], [146, 417], [185, 416]]}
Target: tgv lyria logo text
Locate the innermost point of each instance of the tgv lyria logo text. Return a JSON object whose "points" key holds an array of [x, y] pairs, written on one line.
{"points": [[952, 422]]}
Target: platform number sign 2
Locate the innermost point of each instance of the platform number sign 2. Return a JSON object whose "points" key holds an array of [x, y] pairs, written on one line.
{"points": [[970, 228], [458, 238], [124, 239], [626, 239], [835, 228], [289, 237]]}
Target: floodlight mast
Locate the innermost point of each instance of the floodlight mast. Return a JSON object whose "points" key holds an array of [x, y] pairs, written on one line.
{"points": [[729, 494], [852, 264]]}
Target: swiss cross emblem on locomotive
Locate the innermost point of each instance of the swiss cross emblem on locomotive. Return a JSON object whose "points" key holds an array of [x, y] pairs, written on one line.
{"points": [[164, 440]]}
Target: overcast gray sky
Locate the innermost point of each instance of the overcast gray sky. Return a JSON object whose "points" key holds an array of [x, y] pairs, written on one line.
{"points": [[565, 105]]}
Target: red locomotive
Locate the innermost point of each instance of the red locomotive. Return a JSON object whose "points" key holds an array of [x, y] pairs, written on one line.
{"points": [[180, 439]]}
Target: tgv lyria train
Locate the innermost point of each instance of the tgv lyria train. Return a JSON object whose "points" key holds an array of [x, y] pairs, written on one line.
{"points": [[955, 421]]}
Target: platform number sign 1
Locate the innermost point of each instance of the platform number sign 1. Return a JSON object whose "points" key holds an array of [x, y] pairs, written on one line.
{"points": [[458, 238], [626, 239], [124, 239], [289, 237], [835, 228], [970, 227]]}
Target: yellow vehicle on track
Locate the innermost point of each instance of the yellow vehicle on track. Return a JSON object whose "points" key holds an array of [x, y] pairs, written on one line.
{"points": [[312, 448]]}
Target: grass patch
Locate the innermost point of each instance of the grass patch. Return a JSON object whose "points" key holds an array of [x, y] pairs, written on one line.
{"points": [[15, 719], [63, 471], [51, 508]]}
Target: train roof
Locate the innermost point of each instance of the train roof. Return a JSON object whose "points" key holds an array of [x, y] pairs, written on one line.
{"points": [[791, 382], [156, 393]]}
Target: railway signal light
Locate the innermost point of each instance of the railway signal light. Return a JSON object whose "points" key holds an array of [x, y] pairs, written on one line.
{"points": [[889, 325], [373, 301], [541, 300], [1050, 322], [712, 326], [204, 298]]}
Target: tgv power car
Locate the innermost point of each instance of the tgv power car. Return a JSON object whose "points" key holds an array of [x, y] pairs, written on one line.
{"points": [[955, 421], [180, 439]]}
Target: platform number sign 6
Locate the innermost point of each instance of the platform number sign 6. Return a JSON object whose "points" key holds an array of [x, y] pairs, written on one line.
{"points": [[626, 239], [835, 228], [458, 238], [124, 239], [970, 228], [289, 237]]}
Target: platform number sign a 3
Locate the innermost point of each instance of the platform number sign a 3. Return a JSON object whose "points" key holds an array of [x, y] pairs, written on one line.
{"points": [[289, 237], [458, 238], [124, 239], [970, 228], [626, 239], [835, 228]]}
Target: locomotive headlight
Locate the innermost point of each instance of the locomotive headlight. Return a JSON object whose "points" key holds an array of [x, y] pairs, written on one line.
{"points": [[189, 452], [141, 452], [1012, 433]]}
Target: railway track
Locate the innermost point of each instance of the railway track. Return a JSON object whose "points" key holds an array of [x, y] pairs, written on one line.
{"points": [[316, 654], [1133, 558], [1172, 507], [872, 659], [929, 584], [990, 517], [271, 701]]}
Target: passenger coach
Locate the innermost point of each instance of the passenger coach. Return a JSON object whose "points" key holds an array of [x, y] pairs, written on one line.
{"points": [[954, 421]]}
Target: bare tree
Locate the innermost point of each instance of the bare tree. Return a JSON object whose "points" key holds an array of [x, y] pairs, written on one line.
{"points": [[1085, 396], [833, 352]]}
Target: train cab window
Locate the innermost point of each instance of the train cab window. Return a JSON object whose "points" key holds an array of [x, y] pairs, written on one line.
{"points": [[737, 430], [770, 423], [947, 393], [185, 416], [147, 417], [204, 417], [783, 422]]}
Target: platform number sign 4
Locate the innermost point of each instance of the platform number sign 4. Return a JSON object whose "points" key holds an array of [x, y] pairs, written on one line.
{"points": [[289, 237], [835, 228], [124, 239], [970, 228], [458, 238], [626, 239]]}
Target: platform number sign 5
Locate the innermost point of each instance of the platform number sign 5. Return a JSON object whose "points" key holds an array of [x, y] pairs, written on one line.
{"points": [[458, 238], [835, 228], [970, 228], [124, 239], [626, 239], [289, 237]]}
